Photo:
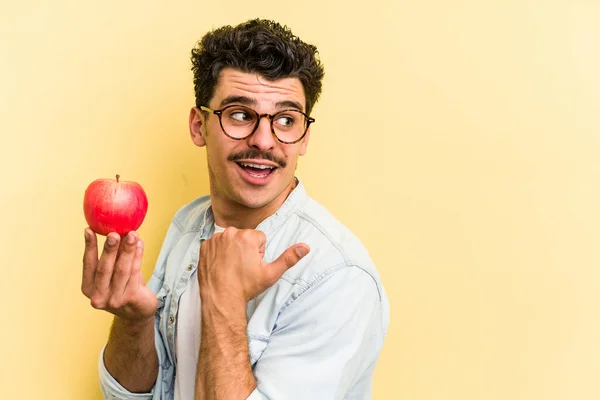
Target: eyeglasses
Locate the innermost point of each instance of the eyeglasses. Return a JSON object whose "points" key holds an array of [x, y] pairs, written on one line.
{"points": [[238, 122]]}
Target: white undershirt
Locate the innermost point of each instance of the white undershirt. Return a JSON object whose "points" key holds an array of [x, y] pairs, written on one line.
{"points": [[187, 343]]}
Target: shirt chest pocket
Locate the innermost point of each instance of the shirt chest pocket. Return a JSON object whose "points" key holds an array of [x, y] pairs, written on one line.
{"points": [[161, 297], [161, 315]]}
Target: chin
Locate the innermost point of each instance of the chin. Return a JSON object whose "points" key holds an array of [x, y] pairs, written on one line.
{"points": [[254, 201], [258, 197]]}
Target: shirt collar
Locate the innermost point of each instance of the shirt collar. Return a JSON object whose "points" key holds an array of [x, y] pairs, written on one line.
{"points": [[296, 199]]}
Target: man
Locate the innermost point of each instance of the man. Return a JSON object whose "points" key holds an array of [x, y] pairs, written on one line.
{"points": [[258, 292]]}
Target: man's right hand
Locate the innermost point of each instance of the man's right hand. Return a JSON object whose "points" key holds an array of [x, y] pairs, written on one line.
{"points": [[115, 282]]}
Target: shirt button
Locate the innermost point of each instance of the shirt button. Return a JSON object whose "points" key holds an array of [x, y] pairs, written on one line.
{"points": [[171, 320], [189, 268]]}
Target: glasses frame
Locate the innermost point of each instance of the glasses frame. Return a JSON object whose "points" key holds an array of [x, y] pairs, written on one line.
{"points": [[219, 113]]}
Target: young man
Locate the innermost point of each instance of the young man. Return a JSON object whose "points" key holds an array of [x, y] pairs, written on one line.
{"points": [[258, 292]]}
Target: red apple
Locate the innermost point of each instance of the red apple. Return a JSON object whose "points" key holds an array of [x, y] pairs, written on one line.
{"points": [[114, 206]]}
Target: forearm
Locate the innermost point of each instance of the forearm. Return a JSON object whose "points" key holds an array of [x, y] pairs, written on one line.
{"points": [[224, 370], [130, 355]]}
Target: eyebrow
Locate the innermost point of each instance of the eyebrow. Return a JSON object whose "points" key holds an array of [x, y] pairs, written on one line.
{"points": [[289, 103], [248, 101]]}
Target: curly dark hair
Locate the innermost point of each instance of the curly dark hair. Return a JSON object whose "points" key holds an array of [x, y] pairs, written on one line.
{"points": [[257, 46]]}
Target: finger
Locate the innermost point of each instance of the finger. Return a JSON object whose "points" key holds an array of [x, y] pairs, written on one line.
{"points": [[135, 278], [262, 238], [124, 263], [262, 242], [90, 262], [287, 260], [106, 263]]}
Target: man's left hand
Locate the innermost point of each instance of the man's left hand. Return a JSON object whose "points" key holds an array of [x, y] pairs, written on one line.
{"points": [[232, 268]]}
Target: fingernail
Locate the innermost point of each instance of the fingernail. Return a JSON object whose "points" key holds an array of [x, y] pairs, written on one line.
{"points": [[86, 233], [130, 238], [301, 251], [111, 241]]}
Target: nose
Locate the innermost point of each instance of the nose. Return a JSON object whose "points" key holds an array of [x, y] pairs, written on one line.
{"points": [[262, 138]]}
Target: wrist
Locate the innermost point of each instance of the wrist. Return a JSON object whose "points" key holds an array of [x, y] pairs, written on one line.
{"points": [[230, 309], [135, 326]]}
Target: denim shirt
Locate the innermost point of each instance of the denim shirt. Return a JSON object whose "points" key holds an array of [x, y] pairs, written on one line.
{"points": [[316, 334]]}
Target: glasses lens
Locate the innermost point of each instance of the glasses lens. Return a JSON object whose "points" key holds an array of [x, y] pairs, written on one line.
{"points": [[238, 121], [289, 126]]}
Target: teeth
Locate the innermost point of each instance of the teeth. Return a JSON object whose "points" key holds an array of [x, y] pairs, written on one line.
{"points": [[258, 166], [258, 176]]}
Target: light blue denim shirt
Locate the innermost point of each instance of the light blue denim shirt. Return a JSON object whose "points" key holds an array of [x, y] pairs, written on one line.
{"points": [[316, 334]]}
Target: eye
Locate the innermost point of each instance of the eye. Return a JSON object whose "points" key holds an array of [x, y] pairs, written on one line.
{"points": [[285, 121], [240, 115]]}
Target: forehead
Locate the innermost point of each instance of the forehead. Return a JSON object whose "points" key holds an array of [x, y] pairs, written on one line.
{"points": [[264, 93]]}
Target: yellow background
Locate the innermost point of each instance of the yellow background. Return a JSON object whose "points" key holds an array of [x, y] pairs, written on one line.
{"points": [[458, 139]]}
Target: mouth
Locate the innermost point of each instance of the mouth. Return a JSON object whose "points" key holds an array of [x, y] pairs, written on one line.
{"points": [[257, 172]]}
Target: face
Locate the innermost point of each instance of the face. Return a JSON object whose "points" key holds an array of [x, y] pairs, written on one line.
{"points": [[232, 164]]}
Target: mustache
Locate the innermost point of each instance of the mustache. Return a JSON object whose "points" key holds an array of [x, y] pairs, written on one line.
{"points": [[256, 154]]}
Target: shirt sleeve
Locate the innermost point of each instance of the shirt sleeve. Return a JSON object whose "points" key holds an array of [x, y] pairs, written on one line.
{"points": [[113, 390], [326, 342]]}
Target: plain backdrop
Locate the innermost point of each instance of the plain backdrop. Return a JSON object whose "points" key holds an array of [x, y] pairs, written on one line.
{"points": [[458, 139]]}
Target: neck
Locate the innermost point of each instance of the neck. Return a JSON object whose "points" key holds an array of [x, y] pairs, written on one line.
{"points": [[230, 213]]}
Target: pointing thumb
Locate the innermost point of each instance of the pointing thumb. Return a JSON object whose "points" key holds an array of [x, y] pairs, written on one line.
{"points": [[301, 251], [290, 257]]}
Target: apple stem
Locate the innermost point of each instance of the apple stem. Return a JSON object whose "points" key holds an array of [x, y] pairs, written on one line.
{"points": [[118, 176]]}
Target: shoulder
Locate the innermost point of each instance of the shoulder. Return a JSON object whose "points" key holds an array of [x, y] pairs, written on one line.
{"points": [[184, 227], [334, 249], [338, 268], [190, 217]]}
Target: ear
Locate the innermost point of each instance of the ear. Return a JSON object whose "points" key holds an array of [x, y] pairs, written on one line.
{"points": [[197, 127], [304, 142]]}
